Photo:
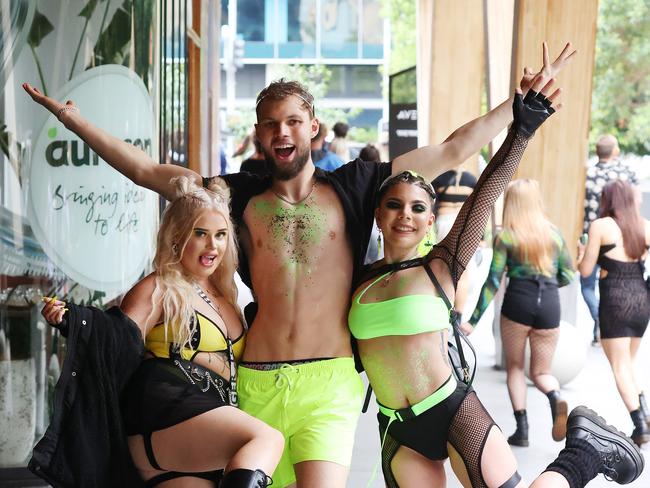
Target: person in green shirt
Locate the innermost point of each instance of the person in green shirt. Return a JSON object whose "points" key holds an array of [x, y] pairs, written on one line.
{"points": [[533, 253]]}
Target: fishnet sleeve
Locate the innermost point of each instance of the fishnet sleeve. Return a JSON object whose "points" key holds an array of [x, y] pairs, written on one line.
{"points": [[457, 248]]}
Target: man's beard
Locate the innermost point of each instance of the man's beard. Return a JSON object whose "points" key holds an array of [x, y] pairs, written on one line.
{"points": [[289, 170]]}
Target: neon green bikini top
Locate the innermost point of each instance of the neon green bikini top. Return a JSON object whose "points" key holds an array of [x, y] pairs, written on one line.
{"points": [[407, 315]]}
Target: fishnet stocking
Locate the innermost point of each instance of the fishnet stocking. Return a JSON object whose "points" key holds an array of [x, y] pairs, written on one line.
{"points": [[387, 454], [542, 348], [468, 433], [458, 247], [513, 339]]}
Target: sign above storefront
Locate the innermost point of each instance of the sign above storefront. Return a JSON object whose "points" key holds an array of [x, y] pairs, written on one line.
{"points": [[93, 223]]}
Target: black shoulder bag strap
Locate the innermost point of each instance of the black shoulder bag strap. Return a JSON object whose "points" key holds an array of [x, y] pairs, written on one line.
{"points": [[454, 317]]}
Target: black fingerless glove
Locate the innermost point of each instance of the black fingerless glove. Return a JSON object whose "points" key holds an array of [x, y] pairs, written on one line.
{"points": [[530, 112]]}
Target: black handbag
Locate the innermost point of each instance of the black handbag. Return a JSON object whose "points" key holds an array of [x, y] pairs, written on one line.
{"points": [[455, 351]]}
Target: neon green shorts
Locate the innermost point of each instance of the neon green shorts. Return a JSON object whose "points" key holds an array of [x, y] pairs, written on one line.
{"points": [[315, 405]]}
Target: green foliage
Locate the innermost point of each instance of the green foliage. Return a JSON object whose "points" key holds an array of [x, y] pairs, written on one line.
{"points": [[363, 135], [89, 9], [621, 96], [41, 27], [401, 14], [240, 122], [143, 11], [4, 139], [404, 87], [316, 78], [173, 105], [115, 40]]}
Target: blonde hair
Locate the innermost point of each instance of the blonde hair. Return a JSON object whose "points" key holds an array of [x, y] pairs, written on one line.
{"points": [[525, 219], [173, 287]]}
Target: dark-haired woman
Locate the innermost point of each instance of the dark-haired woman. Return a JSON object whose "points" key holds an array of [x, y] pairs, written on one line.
{"points": [[401, 323], [618, 242]]}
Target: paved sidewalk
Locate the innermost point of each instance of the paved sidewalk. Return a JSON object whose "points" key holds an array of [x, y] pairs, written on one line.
{"points": [[594, 387]]}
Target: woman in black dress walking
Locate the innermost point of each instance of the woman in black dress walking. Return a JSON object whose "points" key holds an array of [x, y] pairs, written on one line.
{"points": [[618, 242]]}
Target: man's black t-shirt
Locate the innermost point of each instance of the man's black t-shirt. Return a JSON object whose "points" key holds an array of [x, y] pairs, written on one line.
{"points": [[255, 166]]}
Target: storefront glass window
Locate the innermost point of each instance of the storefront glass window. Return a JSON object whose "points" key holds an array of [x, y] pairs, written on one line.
{"points": [[373, 30], [298, 39], [251, 25], [354, 81], [339, 28], [70, 226]]}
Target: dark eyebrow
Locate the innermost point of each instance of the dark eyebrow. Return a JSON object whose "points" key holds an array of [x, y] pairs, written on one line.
{"points": [[206, 230]]}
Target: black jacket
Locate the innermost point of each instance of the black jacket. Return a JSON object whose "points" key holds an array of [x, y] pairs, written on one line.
{"points": [[85, 443]]}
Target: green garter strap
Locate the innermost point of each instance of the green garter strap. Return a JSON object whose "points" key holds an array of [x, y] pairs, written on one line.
{"points": [[432, 400]]}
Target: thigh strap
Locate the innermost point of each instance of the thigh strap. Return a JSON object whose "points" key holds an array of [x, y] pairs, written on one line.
{"points": [[148, 449], [512, 481]]}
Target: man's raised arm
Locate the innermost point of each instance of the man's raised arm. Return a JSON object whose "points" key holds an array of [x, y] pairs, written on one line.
{"points": [[132, 162], [431, 161]]}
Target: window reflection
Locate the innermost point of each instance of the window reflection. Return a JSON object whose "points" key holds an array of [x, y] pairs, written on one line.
{"points": [[300, 21], [252, 19], [373, 29], [354, 81], [339, 28], [294, 28], [104, 61]]}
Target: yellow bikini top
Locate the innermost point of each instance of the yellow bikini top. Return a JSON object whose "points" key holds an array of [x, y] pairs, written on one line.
{"points": [[207, 338]]}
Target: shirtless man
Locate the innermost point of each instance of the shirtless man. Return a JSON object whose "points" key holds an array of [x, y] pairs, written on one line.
{"points": [[303, 234]]}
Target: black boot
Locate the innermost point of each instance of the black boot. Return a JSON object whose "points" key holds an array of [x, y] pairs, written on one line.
{"points": [[559, 412], [245, 478], [644, 408], [640, 434], [592, 445], [520, 437]]}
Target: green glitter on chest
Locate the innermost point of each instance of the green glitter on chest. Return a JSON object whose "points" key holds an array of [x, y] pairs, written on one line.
{"points": [[293, 231]]}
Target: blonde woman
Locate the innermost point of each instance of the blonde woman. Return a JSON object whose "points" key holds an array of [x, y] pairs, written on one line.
{"points": [[180, 406], [618, 242], [537, 261]]}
